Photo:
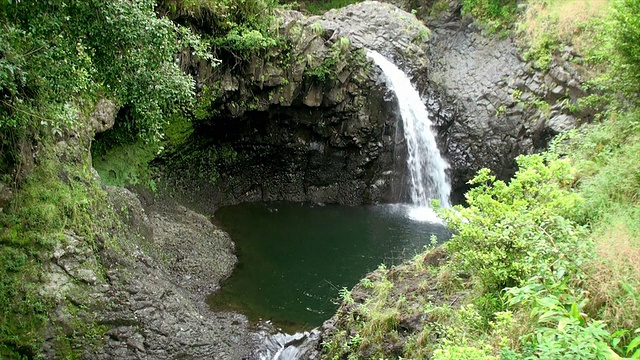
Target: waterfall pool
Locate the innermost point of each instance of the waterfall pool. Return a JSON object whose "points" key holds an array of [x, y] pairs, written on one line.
{"points": [[294, 258]]}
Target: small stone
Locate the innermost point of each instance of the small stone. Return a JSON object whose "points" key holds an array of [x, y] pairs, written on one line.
{"points": [[136, 341], [562, 123], [558, 90]]}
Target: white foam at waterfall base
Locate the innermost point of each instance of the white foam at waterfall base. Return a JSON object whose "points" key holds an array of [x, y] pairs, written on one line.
{"points": [[423, 214], [427, 168], [416, 213]]}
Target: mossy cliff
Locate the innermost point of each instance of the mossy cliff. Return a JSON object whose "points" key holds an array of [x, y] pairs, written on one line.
{"points": [[88, 272]]}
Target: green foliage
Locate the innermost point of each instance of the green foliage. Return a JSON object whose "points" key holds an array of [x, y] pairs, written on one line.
{"points": [[317, 28], [561, 330], [463, 352], [241, 28], [510, 232], [80, 50], [626, 39], [325, 71], [318, 7], [605, 157], [541, 51], [345, 295], [615, 53], [545, 27], [632, 350], [122, 161], [126, 164], [204, 107], [495, 14], [245, 41]]}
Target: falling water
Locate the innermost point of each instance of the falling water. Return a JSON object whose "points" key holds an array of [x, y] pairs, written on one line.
{"points": [[426, 167]]}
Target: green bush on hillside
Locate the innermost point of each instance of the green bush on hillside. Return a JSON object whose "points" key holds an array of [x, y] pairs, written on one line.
{"points": [[44, 211], [626, 34], [512, 231], [239, 28], [53, 53], [496, 14]]}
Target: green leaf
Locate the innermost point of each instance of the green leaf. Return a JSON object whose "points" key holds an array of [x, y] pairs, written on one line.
{"points": [[575, 312], [632, 346]]}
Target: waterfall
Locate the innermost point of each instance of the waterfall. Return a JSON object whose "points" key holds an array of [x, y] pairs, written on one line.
{"points": [[427, 168]]}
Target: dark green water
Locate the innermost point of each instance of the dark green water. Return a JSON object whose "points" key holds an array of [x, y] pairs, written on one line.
{"points": [[294, 257]]}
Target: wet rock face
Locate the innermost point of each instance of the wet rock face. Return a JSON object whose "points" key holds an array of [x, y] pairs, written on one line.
{"points": [[275, 345], [295, 154]]}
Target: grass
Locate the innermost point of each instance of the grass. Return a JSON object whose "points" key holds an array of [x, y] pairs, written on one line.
{"points": [[496, 16], [381, 313], [613, 282], [607, 159], [128, 163], [547, 26]]}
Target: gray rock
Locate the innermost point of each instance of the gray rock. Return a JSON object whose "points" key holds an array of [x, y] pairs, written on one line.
{"points": [[385, 28], [103, 116], [561, 123], [500, 124], [151, 302]]}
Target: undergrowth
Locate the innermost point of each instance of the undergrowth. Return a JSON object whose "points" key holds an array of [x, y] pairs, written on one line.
{"points": [[546, 27], [522, 281]]}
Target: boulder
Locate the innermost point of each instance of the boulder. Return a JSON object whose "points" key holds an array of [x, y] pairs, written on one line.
{"points": [[103, 116]]}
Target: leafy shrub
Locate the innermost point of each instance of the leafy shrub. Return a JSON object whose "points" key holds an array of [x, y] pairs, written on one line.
{"points": [[496, 14], [463, 352], [237, 28], [82, 50], [561, 330], [626, 35], [245, 41], [510, 232], [547, 26]]}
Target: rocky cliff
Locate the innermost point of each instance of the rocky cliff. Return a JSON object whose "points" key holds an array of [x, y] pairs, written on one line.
{"points": [[314, 122], [497, 106], [128, 279]]}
